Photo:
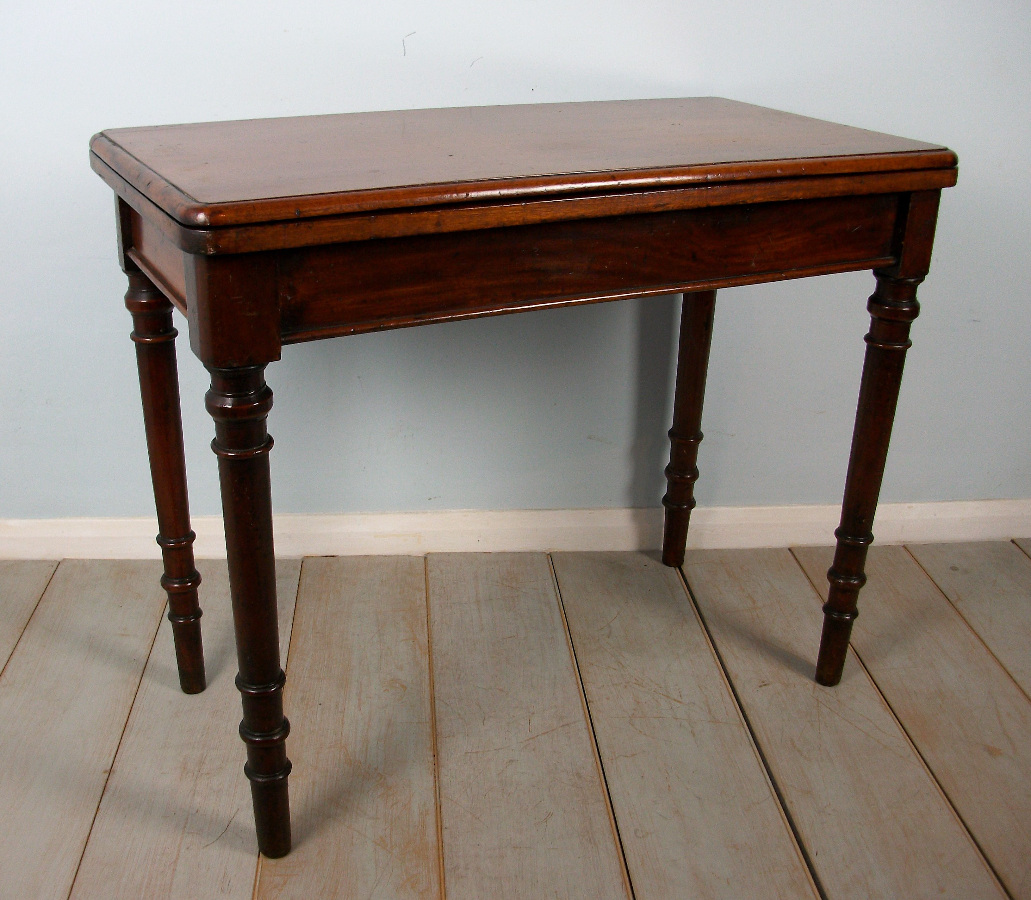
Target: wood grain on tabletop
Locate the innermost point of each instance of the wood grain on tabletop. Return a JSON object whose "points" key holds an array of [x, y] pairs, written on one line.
{"points": [[225, 173]]}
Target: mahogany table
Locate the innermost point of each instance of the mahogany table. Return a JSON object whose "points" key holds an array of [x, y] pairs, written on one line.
{"points": [[276, 231]]}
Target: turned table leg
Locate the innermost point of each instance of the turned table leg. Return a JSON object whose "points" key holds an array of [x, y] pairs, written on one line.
{"points": [[893, 307], [239, 402], [685, 435], [154, 337]]}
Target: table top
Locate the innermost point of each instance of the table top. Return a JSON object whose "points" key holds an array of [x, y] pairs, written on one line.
{"points": [[277, 170]]}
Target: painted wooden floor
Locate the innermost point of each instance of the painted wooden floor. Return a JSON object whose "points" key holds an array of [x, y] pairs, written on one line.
{"points": [[573, 725]]}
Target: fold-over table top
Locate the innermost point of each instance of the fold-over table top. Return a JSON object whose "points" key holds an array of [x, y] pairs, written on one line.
{"points": [[273, 170]]}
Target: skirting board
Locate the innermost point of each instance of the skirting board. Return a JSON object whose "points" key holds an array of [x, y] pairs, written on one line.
{"points": [[415, 533]]}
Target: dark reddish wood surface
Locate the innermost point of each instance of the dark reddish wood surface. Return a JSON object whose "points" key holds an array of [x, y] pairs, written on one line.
{"points": [[154, 337], [262, 170], [239, 401], [276, 231], [360, 286], [696, 319], [163, 262], [520, 211], [233, 309], [893, 307]]}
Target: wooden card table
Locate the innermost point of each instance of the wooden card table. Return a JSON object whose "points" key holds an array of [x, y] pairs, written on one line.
{"points": [[271, 232]]}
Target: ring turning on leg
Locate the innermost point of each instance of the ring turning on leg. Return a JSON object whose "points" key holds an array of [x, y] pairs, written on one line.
{"points": [[893, 307], [154, 337], [685, 435], [239, 401]]}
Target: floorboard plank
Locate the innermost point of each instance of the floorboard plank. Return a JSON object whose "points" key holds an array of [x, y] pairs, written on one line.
{"points": [[362, 788], [22, 582], [64, 700], [523, 805], [873, 821], [968, 718], [175, 820], [990, 584], [697, 814]]}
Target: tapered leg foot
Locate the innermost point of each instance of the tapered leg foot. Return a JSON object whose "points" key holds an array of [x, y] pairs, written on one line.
{"points": [[239, 401], [893, 307], [154, 337], [685, 435]]}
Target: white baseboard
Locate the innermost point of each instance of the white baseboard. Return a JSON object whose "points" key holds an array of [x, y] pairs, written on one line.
{"points": [[415, 533]]}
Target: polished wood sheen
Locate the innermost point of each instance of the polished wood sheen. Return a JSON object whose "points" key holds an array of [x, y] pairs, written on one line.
{"points": [[363, 286], [261, 170], [685, 435], [154, 337], [239, 401], [893, 307], [275, 231]]}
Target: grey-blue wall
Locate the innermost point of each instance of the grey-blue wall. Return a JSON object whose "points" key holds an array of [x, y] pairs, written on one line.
{"points": [[557, 409]]}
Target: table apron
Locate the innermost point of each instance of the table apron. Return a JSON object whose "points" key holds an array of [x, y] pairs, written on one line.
{"points": [[299, 294], [388, 283]]}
